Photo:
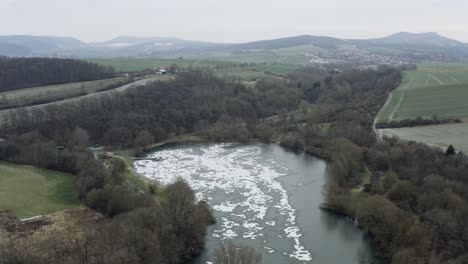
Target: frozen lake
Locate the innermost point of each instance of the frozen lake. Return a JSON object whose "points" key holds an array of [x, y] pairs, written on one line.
{"points": [[266, 197]]}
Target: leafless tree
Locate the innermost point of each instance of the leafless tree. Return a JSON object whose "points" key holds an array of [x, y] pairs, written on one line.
{"points": [[231, 253]]}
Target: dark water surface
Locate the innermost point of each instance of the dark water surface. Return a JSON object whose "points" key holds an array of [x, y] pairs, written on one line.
{"points": [[266, 197]]}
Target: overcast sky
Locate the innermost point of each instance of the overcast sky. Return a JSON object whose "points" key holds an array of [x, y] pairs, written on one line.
{"points": [[232, 20]]}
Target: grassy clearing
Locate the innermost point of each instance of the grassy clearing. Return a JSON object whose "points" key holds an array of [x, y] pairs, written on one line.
{"points": [[366, 179], [135, 181], [55, 92], [30, 191], [427, 92]]}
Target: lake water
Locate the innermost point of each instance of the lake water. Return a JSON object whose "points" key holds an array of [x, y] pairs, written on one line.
{"points": [[266, 197]]}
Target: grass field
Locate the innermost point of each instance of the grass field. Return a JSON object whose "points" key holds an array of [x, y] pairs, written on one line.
{"points": [[131, 65], [30, 191], [220, 68], [54, 92], [438, 135], [434, 89], [139, 64], [277, 61], [298, 55]]}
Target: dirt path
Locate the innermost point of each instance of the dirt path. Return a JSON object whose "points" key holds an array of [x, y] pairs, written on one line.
{"points": [[374, 125], [395, 109], [455, 80]]}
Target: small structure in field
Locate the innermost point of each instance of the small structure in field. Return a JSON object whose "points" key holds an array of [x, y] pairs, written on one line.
{"points": [[161, 71]]}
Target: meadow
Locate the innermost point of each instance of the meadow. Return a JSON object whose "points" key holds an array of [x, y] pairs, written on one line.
{"points": [[132, 65], [297, 55], [30, 191], [433, 90], [139, 64], [236, 67]]}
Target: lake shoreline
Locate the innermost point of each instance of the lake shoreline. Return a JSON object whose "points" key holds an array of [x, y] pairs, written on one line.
{"points": [[163, 147]]}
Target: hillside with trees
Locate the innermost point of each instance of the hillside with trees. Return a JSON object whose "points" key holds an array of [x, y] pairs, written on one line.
{"points": [[17, 73], [414, 204]]}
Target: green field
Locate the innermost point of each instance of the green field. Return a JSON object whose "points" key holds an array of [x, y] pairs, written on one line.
{"points": [[30, 191], [139, 64], [297, 55], [278, 61], [435, 89], [54, 92], [232, 68]]}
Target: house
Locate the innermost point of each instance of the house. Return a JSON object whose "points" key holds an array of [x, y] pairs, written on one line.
{"points": [[161, 71]]}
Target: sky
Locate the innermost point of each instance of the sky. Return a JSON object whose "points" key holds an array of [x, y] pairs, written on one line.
{"points": [[232, 20]]}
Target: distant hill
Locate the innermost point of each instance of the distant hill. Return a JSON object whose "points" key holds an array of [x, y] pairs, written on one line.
{"points": [[149, 45], [424, 39], [416, 46], [135, 40], [129, 40], [319, 41], [37, 45]]}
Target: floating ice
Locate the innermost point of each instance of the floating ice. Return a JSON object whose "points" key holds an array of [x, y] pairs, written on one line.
{"points": [[244, 192], [269, 250], [225, 207]]}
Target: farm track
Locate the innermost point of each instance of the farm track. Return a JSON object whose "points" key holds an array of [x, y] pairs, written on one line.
{"points": [[392, 114], [436, 79], [374, 126], [455, 80]]}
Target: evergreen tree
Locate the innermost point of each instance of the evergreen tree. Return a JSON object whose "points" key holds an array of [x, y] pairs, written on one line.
{"points": [[450, 151]]}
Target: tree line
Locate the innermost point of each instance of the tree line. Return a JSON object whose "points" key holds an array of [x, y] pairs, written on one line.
{"points": [[18, 73]]}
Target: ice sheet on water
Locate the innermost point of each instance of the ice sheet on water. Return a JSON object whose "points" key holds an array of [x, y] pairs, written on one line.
{"points": [[249, 190]]}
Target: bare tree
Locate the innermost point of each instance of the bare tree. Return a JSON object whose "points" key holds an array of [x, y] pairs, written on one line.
{"points": [[231, 253]]}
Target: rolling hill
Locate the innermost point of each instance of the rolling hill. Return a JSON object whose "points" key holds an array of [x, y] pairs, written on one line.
{"points": [[24, 45], [410, 47], [421, 39]]}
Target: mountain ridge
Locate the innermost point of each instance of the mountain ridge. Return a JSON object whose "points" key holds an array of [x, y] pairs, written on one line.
{"points": [[426, 38], [26, 45]]}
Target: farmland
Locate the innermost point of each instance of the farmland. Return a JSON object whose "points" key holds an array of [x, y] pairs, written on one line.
{"points": [[37, 95], [30, 191], [297, 55], [232, 69], [437, 135], [139, 64], [435, 89]]}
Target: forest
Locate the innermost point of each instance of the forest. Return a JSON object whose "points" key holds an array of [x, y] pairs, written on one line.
{"points": [[158, 225], [414, 206], [18, 73]]}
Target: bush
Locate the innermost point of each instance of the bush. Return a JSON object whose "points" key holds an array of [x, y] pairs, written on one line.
{"points": [[113, 200], [231, 253]]}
